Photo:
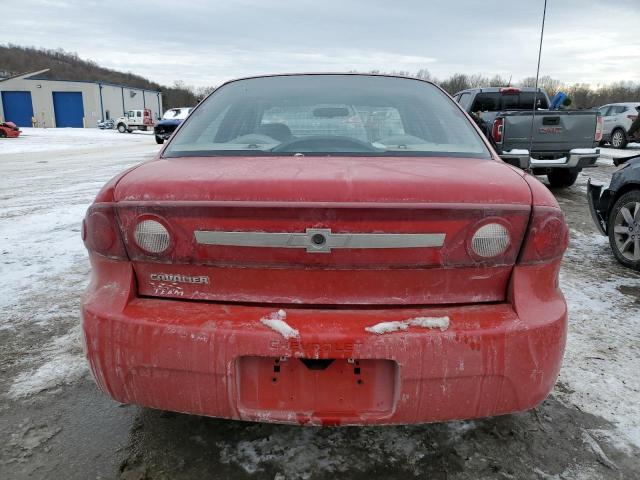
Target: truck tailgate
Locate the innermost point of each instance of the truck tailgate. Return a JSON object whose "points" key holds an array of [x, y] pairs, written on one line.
{"points": [[554, 132]]}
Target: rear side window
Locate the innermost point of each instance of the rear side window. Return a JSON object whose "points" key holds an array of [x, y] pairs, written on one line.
{"points": [[497, 102], [524, 101], [487, 102], [465, 100], [327, 115]]}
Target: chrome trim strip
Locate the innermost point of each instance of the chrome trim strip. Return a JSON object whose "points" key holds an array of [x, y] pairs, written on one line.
{"points": [[320, 240]]}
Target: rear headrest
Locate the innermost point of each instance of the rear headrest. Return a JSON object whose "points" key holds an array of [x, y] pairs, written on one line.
{"points": [[277, 131]]}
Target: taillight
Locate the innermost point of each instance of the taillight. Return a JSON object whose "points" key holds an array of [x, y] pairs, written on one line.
{"points": [[496, 131], [547, 236], [632, 117], [100, 232], [599, 128]]}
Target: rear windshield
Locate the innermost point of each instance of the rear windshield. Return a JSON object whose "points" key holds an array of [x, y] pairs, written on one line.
{"points": [[328, 115], [498, 102]]}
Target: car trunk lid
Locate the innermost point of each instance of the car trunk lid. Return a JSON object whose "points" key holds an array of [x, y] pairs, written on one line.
{"points": [[356, 231]]}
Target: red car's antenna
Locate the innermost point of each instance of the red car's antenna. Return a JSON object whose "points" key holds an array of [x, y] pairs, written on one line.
{"points": [[535, 93]]}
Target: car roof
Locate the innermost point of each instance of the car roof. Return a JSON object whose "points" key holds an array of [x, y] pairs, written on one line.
{"points": [[346, 74], [497, 89]]}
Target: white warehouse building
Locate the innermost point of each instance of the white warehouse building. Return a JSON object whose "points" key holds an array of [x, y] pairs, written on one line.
{"points": [[70, 103]]}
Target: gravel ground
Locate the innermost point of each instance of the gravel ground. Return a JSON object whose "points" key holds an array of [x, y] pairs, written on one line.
{"points": [[57, 425]]}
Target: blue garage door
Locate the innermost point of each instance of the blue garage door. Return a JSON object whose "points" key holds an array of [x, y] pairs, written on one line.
{"points": [[68, 109], [17, 108]]}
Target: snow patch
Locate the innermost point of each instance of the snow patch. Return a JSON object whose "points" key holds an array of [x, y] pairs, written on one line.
{"points": [[597, 450], [423, 322], [327, 453], [276, 322], [430, 322], [602, 354], [608, 154], [583, 151], [64, 365], [33, 140]]}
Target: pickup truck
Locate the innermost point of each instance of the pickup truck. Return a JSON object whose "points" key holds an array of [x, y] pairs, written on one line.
{"points": [[563, 143], [135, 120]]}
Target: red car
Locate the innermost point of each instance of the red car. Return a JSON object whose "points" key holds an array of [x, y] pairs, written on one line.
{"points": [[326, 249], [9, 130]]}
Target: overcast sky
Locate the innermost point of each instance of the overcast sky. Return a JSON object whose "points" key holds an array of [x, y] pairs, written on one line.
{"points": [[206, 42]]}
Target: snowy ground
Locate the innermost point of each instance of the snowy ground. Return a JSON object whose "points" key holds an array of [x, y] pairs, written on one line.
{"points": [[55, 139], [57, 426], [607, 154]]}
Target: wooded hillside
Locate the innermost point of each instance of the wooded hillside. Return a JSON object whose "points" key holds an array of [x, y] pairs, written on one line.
{"points": [[15, 60]]}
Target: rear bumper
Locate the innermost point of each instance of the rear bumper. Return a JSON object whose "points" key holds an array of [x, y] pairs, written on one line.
{"points": [[192, 356], [594, 194], [576, 159], [162, 133]]}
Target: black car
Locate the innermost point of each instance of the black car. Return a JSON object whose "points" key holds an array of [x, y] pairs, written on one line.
{"points": [[170, 121], [616, 211]]}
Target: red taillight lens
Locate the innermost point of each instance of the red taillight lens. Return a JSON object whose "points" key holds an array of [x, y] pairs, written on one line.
{"points": [[632, 117], [496, 131], [599, 128], [100, 232], [547, 236]]}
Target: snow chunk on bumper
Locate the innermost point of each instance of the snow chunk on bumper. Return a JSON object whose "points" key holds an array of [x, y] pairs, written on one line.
{"points": [[276, 322], [423, 322]]}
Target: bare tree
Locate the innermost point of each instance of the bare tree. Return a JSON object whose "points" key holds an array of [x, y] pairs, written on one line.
{"points": [[423, 74], [548, 84]]}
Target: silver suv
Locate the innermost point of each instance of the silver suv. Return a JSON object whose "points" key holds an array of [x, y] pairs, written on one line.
{"points": [[618, 118]]}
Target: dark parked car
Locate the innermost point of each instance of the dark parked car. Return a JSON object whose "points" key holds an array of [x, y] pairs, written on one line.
{"points": [[616, 211], [170, 121]]}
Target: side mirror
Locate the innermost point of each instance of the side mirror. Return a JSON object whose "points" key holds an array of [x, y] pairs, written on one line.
{"points": [[517, 158]]}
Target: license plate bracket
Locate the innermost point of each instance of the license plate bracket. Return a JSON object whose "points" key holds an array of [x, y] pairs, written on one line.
{"points": [[321, 387]]}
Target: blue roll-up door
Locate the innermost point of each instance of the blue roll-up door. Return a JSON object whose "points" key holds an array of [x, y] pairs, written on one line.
{"points": [[17, 108], [68, 109]]}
